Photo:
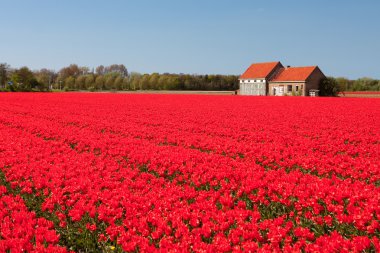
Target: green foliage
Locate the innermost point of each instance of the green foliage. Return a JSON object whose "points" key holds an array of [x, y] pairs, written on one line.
{"points": [[109, 81], [45, 79], [134, 81], [126, 84], [343, 83], [99, 82], [80, 83], [90, 81], [71, 71], [23, 79], [69, 83], [116, 77], [361, 84], [328, 87], [118, 83], [168, 81], [3, 75], [365, 84]]}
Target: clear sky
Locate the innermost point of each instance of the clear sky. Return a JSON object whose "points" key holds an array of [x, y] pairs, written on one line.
{"points": [[193, 36]]}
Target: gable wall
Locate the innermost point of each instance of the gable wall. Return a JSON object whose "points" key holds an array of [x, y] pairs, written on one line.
{"points": [[314, 80]]}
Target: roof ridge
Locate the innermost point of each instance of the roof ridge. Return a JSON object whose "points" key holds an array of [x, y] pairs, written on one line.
{"points": [[294, 73], [313, 66], [260, 70]]}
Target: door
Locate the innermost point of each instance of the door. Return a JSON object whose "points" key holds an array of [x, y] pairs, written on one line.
{"points": [[278, 90]]}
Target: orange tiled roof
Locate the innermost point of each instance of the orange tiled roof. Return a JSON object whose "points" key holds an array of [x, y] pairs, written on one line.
{"points": [[259, 70], [293, 74]]}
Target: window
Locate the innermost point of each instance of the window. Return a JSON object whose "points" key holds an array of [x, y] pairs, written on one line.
{"points": [[296, 87], [289, 88]]}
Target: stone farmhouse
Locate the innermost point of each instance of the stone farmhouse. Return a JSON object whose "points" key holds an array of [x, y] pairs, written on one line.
{"points": [[273, 79]]}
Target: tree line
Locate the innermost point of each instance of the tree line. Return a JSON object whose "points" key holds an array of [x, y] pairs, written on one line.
{"points": [[361, 84], [117, 77], [113, 77], [331, 86]]}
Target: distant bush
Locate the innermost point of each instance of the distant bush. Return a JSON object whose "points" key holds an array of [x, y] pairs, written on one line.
{"points": [[329, 87]]}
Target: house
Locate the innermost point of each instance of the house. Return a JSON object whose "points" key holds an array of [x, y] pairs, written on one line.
{"points": [[273, 79]]}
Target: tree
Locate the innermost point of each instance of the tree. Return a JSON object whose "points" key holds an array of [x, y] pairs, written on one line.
{"points": [[162, 82], [24, 79], [172, 83], [118, 83], [123, 70], [233, 82], [126, 84], [116, 68], [84, 70], [99, 82], [3, 74], [45, 78], [72, 70], [100, 70], [187, 83], [365, 83], [90, 81], [109, 81], [153, 81], [343, 83], [134, 80], [69, 83], [59, 83], [80, 82], [329, 87], [144, 82]]}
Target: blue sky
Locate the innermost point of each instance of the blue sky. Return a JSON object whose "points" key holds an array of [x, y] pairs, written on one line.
{"points": [[193, 36]]}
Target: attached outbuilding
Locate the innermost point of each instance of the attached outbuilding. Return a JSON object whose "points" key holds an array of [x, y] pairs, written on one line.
{"points": [[254, 81]]}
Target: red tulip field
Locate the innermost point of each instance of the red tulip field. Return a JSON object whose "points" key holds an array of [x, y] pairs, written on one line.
{"points": [[92, 172]]}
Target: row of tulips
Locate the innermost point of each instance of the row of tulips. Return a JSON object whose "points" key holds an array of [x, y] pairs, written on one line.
{"points": [[21, 230], [134, 175]]}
